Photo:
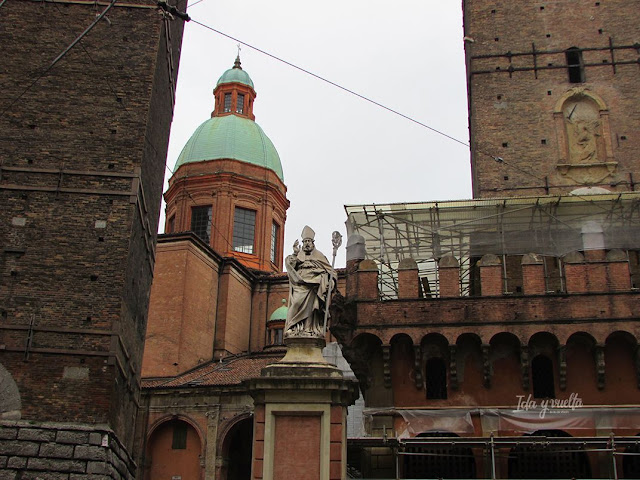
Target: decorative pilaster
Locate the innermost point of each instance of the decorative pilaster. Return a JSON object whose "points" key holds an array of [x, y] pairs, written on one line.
{"points": [[453, 367], [417, 367], [562, 366], [525, 365], [600, 366], [486, 366], [213, 417], [386, 365]]}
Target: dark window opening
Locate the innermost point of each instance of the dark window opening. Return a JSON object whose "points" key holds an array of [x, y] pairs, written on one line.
{"points": [[436, 379], [548, 460], [575, 65], [240, 103], [438, 461], [179, 441], [631, 462], [275, 336], [171, 224], [244, 227], [201, 222], [275, 230], [542, 377], [227, 102]]}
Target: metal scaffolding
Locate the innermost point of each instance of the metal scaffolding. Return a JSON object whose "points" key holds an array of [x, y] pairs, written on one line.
{"points": [[550, 226], [492, 448]]}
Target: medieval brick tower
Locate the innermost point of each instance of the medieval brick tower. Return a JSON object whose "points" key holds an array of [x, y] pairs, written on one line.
{"points": [[88, 91], [553, 95]]}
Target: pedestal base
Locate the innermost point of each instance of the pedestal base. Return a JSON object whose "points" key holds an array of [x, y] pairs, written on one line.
{"points": [[300, 416]]}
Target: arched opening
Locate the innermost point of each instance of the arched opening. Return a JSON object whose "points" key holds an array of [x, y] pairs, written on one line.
{"points": [[548, 460], [581, 373], [365, 357], [620, 366], [435, 358], [469, 363], [436, 379], [425, 460], [173, 451], [542, 377], [506, 365], [236, 451], [403, 379]]}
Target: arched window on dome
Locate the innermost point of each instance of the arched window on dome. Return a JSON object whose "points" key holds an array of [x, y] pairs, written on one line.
{"points": [[240, 103], [227, 103]]}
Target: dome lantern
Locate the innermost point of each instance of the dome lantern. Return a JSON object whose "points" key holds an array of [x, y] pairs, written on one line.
{"points": [[234, 93]]}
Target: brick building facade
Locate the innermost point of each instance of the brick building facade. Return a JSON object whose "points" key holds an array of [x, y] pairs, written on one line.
{"points": [[498, 337], [85, 124], [492, 338]]}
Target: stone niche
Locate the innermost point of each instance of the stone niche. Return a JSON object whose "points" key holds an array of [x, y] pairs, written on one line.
{"points": [[585, 150]]}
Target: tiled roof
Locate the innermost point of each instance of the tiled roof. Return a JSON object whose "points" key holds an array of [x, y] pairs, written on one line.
{"points": [[231, 371]]}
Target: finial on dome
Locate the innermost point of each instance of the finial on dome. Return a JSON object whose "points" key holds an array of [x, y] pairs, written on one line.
{"points": [[236, 64]]}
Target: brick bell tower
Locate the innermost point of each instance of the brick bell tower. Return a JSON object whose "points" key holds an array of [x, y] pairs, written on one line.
{"points": [[552, 96], [228, 186]]}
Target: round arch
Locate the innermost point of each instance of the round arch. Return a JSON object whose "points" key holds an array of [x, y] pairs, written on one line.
{"points": [[579, 92], [174, 448], [167, 418], [235, 444]]}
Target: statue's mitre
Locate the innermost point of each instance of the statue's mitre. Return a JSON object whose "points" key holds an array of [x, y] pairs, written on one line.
{"points": [[307, 232]]}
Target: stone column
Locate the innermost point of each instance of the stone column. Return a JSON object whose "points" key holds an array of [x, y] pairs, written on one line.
{"points": [[300, 416]]}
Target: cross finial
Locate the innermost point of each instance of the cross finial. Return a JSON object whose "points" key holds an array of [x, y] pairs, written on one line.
{"points": [[236, 64]]}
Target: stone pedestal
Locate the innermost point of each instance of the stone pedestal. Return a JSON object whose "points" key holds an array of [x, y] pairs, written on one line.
{"points": [[300, 429]]}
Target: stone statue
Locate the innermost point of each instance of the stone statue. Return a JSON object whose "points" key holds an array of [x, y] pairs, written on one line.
{"points": [[311, 281]]}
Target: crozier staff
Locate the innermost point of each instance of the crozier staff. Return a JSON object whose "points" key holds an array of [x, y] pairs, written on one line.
{"points": [[311, 280]]}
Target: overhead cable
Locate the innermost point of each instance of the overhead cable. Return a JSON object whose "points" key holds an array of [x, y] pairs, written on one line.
{"points": [[60, 57], [406, 117]]}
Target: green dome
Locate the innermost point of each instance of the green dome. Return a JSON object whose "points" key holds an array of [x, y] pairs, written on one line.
{"points": [[279, 313], [235, 75], [232, 137]]}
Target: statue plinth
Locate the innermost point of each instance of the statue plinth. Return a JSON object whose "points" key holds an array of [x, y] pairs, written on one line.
{"points": [[300, 415]]}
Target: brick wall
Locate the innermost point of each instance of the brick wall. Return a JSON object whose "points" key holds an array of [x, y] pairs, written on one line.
{"points": [[83, 152], [511, 112]]}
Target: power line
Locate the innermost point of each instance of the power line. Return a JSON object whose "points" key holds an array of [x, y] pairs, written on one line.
{"points": [[60, 57], [496, 158], [367, 99]]}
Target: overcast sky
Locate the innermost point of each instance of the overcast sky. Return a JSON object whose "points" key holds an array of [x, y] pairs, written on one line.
{"points": [[337, 149]]}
